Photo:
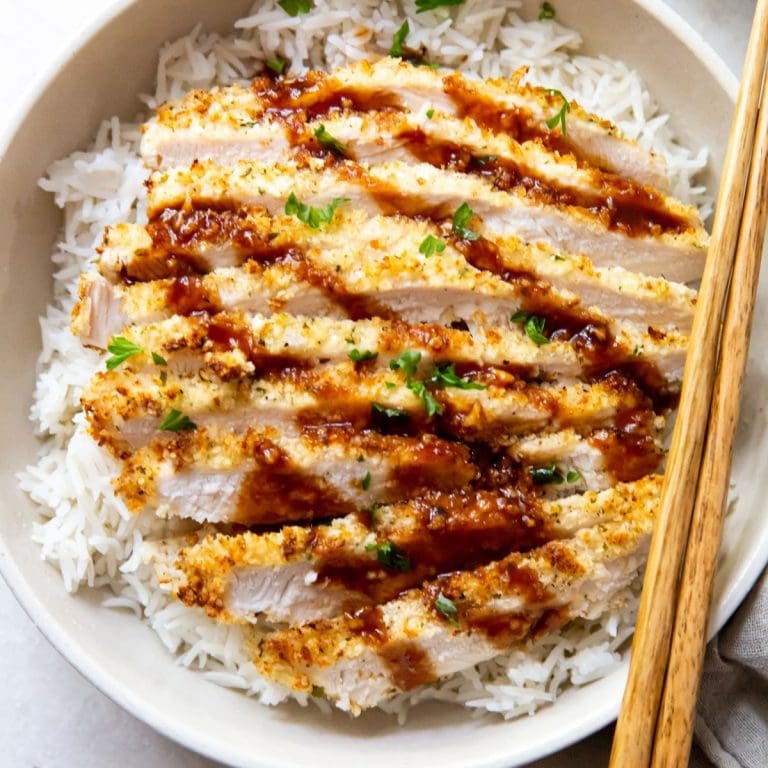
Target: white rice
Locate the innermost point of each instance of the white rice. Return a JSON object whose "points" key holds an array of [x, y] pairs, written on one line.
{"points": [[85, 531]]}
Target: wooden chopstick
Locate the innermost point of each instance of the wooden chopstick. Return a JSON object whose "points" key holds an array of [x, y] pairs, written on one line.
{"points": [[635, 729], [674, 727]]}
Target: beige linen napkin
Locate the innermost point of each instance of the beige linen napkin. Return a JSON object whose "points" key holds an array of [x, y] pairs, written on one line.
{"points": [[732, 718]]}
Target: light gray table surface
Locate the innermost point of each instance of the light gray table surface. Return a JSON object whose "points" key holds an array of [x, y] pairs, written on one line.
{"points": [[50, 717]]}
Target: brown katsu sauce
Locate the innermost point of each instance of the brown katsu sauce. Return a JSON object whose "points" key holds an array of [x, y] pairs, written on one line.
{"points": [[621, 204], [277, 491], [409, 666], [629, 450], [516, 122], [188, 295], [227, 333], [450, 531], [368, 622]]}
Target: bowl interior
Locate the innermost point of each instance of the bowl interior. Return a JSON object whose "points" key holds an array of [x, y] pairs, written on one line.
{"points": [[123, 657]]}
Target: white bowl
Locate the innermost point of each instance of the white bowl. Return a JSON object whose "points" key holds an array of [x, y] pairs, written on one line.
{"points": [[114, 61]]}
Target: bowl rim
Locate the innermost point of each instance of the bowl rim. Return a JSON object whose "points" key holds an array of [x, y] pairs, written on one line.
{"points": [[130, 700]]}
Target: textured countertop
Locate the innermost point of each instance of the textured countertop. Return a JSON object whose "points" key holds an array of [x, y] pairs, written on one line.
{"points": [[50, 717]]}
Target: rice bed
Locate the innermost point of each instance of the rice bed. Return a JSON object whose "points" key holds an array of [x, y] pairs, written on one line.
{"points": [[85, 531]]}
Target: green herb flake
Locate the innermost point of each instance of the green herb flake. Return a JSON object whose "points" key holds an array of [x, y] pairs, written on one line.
{"points": [[396, 51], [158, 359], [446, 376], [318, 691], [430, 113], [573, 476], [163, 377], [176, 421], [247, 123], [408, 362], [276, 65], [485, 159], [431, 405], [390, 384], [365, 483], [390, 556], [559, 117], [534, 329], [431, 245], [546, 12], [546, 475], [520, 316], [358, 356], [310, 215], [295, 7], [390, 413], [326, 140], [461, 219], [120, 350], [447, 608], [430, 5]]}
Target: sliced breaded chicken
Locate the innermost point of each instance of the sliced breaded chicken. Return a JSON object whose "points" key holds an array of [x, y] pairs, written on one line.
{"points": [[198, 241], [127, 411], [448, 143], [300, 574], [505, 106], [263, 477], [458, 620], [234, 345], [423, 190]]}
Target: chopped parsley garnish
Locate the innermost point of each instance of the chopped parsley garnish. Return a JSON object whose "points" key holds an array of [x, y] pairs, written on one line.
{"points": [[559, 117], [396, 51], [546, 12], [431, 406], [358, 356], [546, 475], [276, 65], [430, 113], [430, 5], [485, 159], [325, 138], [520, 316], [318, 691], [461, 218], [295, 7], [431, 245], [447, 608], [163, 377], [445, 376], [390, 413], [573, 476], [247, 124], [176, 421], [533, 325], [120, 350], [390, 556], [365, 483], [310, 215], [158, 359], [408, 362]]}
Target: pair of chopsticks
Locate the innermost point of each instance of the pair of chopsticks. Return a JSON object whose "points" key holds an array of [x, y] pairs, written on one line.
{"points": [[655, 726]]}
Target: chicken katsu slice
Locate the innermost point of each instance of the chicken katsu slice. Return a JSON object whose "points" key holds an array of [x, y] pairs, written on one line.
{"points": [[457, 620], [235, 345], [260, 476], [457, 145], [505, 106], [301, 574], [199, 241], [422, 190], [127, 411]]}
